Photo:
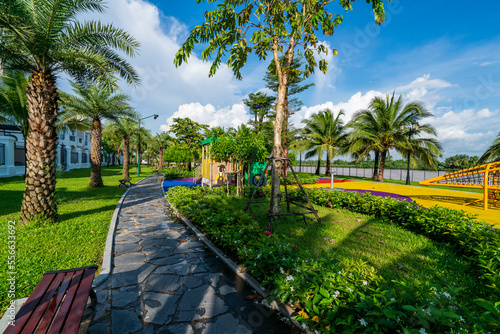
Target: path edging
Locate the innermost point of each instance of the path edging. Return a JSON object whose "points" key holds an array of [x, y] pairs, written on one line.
{"points": [[283, 309]]}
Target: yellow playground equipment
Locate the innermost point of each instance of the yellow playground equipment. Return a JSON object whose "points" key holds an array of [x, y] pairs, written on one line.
{"points": [[218, 173], [486, 177]]}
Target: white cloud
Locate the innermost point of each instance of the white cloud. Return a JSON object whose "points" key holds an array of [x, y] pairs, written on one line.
{"points": [[208, 114], [357, 102], [163, 86], [424, 89]]}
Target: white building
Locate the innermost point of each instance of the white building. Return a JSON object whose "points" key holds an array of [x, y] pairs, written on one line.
{"points": [[73, 151]]}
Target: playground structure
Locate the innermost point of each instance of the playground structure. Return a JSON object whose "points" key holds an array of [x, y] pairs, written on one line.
{"points": [[486, 177], [218, 173]]}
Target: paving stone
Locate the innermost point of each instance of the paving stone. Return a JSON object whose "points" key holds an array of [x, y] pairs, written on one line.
{"points": [[129, 239], [182, 328], [127, 297], [191, 282], [126, 248], [163, 283], [159, 307], [152, 242], [169, 260], [98, 328], [200, 303], [179, 269], [150, 250], [226, 289], [188, 247], [129, 258], [125, 321], [130, 274], [226, 323]]}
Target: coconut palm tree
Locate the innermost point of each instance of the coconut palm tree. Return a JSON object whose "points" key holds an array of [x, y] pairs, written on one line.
{"points": [[124, 128], [324, 132], [378, 129], [493, 152], [45, 38], [96, 103]]}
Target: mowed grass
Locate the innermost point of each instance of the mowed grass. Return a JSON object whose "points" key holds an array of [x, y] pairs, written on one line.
{"points": [[394, 252], [77, 239]]}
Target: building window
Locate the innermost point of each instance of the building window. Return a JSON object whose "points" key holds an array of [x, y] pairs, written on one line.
{"points": [[84, 158], [63, 135], [74, 157], [2, 154], [86, 140]]}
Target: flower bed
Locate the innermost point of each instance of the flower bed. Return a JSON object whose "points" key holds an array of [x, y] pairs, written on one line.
{"points": [[333, 296]]}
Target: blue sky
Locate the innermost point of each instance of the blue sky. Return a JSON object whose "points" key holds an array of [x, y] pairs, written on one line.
{"points": [[443, 53]]}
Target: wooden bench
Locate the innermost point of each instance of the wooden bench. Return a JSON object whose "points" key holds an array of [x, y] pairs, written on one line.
{"points": [[123, 183], [57, 303]]}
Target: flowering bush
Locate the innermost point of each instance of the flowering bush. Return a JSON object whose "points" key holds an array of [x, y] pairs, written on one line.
{"points": [[350, 297]]}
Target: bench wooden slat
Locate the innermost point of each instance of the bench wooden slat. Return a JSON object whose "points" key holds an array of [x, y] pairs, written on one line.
{"points": [[75, 315], [54, 304], [43, 305], [61, 316], [30, 305]]}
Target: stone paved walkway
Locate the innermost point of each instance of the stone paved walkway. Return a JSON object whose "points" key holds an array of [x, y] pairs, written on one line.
{"points": [[165, 281]]}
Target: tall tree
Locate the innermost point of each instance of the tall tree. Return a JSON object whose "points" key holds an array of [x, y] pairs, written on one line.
{"points": [[189, 135], [96, 103], [259, 105], [378, 129], [161, 142], [44, 38], [276, 27], [324, 132]]}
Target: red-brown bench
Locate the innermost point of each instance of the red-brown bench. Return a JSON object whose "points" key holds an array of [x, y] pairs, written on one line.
{"points": [[57, 303]]}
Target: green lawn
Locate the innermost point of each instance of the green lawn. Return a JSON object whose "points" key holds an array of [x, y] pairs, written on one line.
{"points": [[393, 251], [78, 237]]}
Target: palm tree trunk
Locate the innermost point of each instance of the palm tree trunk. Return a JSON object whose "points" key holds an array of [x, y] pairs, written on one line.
{"points": [[375, 166], [95, 155], [161, 159], [125, 174], [318, 166], [382, 166], [327, 164], [39, 195]]}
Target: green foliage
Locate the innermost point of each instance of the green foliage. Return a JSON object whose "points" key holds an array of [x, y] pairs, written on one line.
{"points": [[243, 147], [270, 24], [47, 35], [350, 297], [188, 134], [178, 154], [176, 173]]}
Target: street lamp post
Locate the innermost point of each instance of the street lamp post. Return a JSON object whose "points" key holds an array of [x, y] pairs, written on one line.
{"points": [[139, 160], [411, 131]]}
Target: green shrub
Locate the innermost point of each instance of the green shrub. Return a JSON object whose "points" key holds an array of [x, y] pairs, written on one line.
{"points": [[349, 297]]}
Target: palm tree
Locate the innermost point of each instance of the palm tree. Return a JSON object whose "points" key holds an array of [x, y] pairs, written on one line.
{"points": [[124, 128], [161, 142], [44, 38], [96, 103], [493, 152], [324, 132], [378, 129]]}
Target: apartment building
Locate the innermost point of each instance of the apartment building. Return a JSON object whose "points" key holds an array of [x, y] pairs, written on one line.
{"points": [[73, 151]]}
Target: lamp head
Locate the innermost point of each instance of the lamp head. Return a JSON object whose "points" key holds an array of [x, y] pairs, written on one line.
{"points": [[155, 116], [415, 125]]}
